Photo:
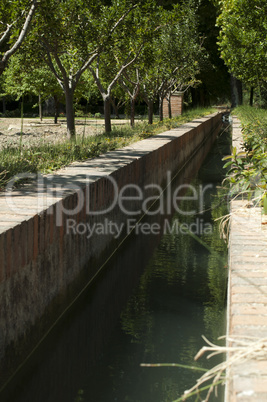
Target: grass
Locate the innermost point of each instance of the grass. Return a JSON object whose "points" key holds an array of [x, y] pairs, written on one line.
{"points": [[248, 114], [254, 126], [46, 158], [247, 175]]}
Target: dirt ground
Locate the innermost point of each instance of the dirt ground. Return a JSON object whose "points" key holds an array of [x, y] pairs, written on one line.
{"points": [[35, 132]]}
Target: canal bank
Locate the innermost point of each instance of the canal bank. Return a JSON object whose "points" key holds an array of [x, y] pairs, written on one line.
{"points": [[43, 266], [247, 298]]}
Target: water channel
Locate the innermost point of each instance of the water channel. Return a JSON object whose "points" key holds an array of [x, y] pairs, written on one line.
{"points": [[154, 300]]}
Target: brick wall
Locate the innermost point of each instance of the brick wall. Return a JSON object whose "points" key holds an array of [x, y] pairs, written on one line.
{"points": [[176, 105]]}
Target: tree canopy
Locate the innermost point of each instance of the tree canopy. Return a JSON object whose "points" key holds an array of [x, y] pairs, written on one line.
{"points": [[71, 35], [243, 38]]}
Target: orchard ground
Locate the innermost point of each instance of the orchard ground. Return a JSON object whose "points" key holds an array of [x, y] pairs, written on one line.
{"points": [[35, 132]]}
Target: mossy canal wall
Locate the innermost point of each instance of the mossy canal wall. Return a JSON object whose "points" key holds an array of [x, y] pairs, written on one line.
{"points": [[46, 253]]}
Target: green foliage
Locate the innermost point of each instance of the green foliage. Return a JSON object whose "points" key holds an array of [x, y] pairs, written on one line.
{"points": [[247, 172], [68, 37], [171, 59], [242, 38], [21, 79], [137, 26]]}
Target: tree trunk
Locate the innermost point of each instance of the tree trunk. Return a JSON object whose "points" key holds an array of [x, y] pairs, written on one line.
{"points": [[132, 111], [115, 107], [170, 106], [236, 92], [70, 114], [116, 111], [40, 107], [168, 98], [56, 105], [161, 108], [107, 114], [150, 105], [251, 96], [133, 100]]}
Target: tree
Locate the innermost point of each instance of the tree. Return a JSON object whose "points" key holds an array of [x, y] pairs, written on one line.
{"points": [[132, 88], [64, 36], [149, 76], [105, 90], [170, 60], [21, 78], [242, 39], [70, 35], [181, 52], [118, 100], [12, 18], [143, 78], [137, 26]]}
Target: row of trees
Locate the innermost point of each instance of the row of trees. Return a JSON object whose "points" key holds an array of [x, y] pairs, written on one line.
{"points": [[138, 48], [142, 47]]}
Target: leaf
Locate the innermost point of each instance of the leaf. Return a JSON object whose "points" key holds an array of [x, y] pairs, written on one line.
{"points": [[227, 157], [227, 164]]}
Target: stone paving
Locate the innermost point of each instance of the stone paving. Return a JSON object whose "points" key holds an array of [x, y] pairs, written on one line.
{"points": [[247, 296]]}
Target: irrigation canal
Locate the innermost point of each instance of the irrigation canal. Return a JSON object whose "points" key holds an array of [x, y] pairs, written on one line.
{"points": [[154, 300]]}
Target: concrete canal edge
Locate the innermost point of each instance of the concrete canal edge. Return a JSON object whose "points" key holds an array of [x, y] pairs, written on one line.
{"points": [[247, 296], [45, 260]]}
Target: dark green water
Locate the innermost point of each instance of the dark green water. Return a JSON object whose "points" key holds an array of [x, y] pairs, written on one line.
{"points": [[151, 305]]}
